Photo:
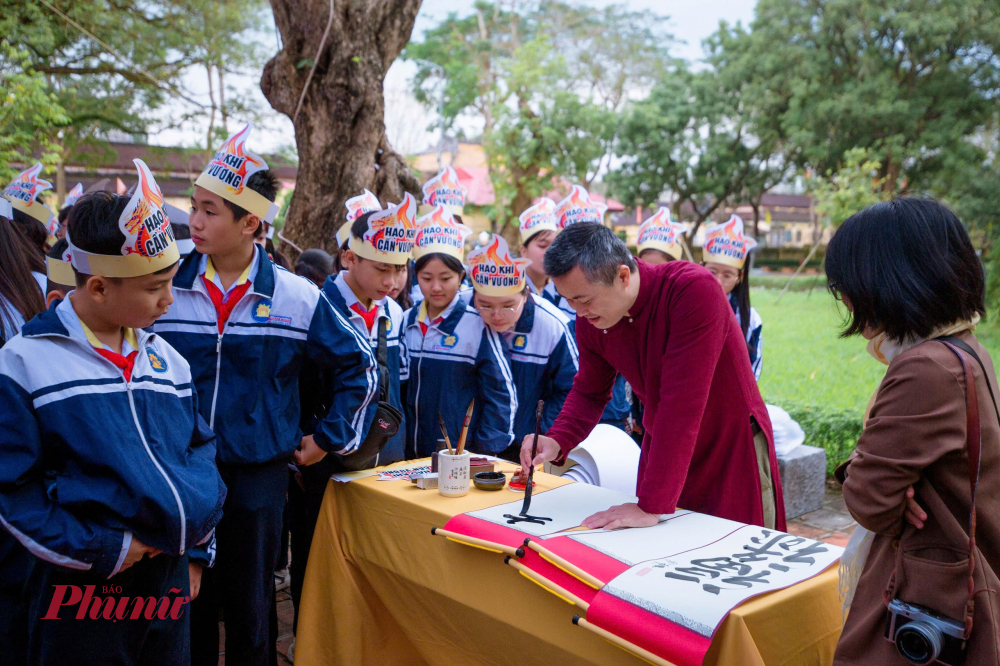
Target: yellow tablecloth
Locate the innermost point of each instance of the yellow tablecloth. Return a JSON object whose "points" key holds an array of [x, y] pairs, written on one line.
{"points": [[381, 590]]}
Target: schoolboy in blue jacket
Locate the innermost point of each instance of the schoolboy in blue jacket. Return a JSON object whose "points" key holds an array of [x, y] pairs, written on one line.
{"points": [[541, 348], [109, 474], [247, 327]]}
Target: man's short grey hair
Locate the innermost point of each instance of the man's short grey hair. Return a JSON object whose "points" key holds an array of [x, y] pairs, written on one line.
{"points": [[594, 248]]}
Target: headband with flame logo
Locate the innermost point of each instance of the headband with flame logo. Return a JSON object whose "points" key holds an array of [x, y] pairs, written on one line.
{"points": [[661, 233], [228, 172], [60, 271], [356, 207], [579, 207], [727, 244], [149, 242], [539, 217], [494, 272], [23, 191], [444, 189], [439, 231], [73, 196], [390, 233]]}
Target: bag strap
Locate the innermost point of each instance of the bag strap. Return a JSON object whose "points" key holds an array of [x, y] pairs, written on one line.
{"points": [[382, 356]]}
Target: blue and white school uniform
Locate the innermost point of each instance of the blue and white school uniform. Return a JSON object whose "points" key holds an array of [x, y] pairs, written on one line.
{"points": [[342, 297], [754, 342], [247, 376], [92, 458], [458, 359], [543, 360], [618, 408]]}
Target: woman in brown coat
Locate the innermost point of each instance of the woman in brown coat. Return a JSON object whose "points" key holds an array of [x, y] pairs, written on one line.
{"points": [[908, 273]]}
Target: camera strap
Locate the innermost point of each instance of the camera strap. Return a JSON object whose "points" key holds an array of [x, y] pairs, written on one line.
{"points": [[974, 446]]}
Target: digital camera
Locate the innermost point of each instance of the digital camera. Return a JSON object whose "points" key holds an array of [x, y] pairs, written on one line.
{"points": [[923, 636]]}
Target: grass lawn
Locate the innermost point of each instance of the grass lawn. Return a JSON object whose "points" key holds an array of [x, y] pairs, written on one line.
{"points": [[822, 380]]}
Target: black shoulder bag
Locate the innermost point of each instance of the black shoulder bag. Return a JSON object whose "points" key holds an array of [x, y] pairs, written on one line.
{"points": [[386, 422]]}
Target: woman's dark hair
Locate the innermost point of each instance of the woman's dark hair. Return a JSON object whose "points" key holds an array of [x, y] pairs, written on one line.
{"points": [[315, 265], [276, 257], [451, 262], [34, 232], [741, 294], [18, 287], [594, 248], [907, 267], [337, 265]]}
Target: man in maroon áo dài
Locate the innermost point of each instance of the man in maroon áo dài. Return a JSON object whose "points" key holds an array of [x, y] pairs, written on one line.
{"points": [[670, 332]]}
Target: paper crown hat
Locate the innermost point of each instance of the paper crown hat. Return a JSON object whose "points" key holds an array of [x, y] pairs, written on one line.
{"points": [[579, 207], [439, 231], [149, 242], [444, 189], [365, 202], [727, 244], [494, 272], [539, 217], [60, 270], [390, 233], [73, 196], [181, 218], [23, 191], [661, 233], [228, 172]]}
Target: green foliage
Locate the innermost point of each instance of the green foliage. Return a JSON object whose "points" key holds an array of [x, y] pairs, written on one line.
{"points": [[856, 185], [912, 81], [29, 113]]}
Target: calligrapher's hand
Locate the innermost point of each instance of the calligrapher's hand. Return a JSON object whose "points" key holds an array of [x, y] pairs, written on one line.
{"points": [[548, 449], [915, 514], [623, 515]]}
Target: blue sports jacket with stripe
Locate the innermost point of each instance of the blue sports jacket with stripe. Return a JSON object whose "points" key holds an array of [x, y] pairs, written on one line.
{"points": [[460, 358], [90, 459], [247, 377]]}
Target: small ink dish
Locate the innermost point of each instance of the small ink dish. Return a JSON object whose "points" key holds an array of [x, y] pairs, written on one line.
{"points": [[489, 480]]}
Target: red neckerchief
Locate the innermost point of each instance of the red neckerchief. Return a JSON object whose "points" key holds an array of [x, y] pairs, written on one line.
{"points": [[370, 316], [434, 322], [124, 363], [224, 306]]}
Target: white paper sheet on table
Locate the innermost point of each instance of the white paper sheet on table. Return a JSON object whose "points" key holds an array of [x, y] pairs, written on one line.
{"points": [[567, 506], [697, 589], [676, 533]]}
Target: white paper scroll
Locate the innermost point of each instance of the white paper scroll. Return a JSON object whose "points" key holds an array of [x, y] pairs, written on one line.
{"points": [[567, 506], [697, 588]]}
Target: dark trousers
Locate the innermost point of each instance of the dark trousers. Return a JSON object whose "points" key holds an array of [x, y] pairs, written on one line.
{"points": [[67, 641], [303, 512], [241, 585], [15, 563]]}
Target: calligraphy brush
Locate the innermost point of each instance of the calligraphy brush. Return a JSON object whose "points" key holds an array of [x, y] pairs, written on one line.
{"points": [[465, 429], [444, 433], [534, 452]]}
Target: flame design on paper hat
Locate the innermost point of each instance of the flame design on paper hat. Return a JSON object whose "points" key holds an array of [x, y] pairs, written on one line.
{"points": [[579, 207], [356, 207], [727, 244], [539, 217], [228, 172], [390, 234], [23, 191], [444, 189], [439, 231], [149, 241], [73, 196], [494, 271], [661, 233]]}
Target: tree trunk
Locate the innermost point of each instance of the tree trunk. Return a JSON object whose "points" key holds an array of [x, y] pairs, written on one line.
{"points": [[340, 129]]}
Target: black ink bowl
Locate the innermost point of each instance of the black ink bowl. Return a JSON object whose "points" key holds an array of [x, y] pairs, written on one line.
{"points": [[489, 480]]}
